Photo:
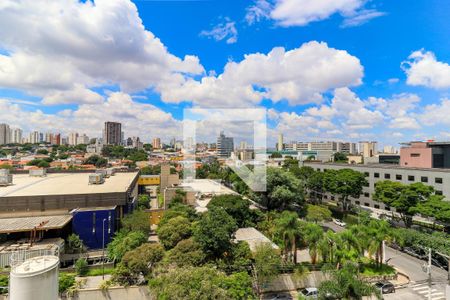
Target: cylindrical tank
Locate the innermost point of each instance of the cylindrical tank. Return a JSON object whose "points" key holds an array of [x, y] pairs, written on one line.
{"points": [[35, 279]]}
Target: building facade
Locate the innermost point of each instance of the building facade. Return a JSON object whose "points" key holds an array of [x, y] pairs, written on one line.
{"points": [[156, 143], [16, 135], [225, 145], [439, 179], [5, 134], [112, 133], [425, 155]]}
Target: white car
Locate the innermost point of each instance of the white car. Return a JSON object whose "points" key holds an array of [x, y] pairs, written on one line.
{"points": [[339, 222], [310, 293]]}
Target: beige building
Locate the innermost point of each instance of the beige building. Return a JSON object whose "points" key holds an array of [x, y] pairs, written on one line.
{"points": [[156, 143], [368, 149]]}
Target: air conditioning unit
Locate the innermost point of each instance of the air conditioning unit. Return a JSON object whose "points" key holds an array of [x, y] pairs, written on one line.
{"points": [[38, 172], [96, 179]]}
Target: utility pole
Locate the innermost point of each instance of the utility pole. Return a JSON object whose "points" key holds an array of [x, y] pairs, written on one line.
{"points": [[103, 250], [429, 274]]}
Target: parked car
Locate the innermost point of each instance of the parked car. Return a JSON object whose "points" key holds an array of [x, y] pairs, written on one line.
{"points": [[310, 292], [281, 296], [385, 287], [339, 222]]}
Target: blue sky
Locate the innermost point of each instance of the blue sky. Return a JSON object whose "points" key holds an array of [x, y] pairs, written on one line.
{"points": [[348, 70]]}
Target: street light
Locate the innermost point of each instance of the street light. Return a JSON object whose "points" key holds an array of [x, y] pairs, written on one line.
{"points": [[103, 250]]}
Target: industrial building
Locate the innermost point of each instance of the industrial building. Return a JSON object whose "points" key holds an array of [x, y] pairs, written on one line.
{"points": [[439, 179]]}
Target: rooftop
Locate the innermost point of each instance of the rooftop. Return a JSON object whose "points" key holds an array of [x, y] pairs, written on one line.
{"points": [[21, 224], [65, 184], [377, 166], [253, 238], [207, 186]]}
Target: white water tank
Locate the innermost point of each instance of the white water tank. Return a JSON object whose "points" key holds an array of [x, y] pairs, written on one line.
{"points": [[35, 279]]}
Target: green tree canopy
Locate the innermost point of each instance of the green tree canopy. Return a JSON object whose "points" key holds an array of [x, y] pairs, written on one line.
{"points": [[340, 157], [344, 183], [125, 241], [96, 160], [173, 231], [142, 259], [267, 262], [235, 206], [187, 253], [138, 220], [214, 232], [317, 213]]}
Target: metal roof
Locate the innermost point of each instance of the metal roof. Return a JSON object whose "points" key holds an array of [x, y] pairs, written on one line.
{"points": [[24, 224]]}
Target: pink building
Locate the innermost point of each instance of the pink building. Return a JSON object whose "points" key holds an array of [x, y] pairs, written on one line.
{"points": [[425, 155]]}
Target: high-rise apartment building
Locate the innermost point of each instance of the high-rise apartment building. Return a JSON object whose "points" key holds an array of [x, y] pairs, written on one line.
{"points": [[72, 139], [368, 149], [156, 143], [82, 139], [112, 133], [16, 135], [5, 134], [34, 137], [225, 145], [280, 145], [55, 139]]}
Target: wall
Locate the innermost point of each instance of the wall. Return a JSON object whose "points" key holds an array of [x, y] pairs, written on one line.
{"points": [[130, 293], [416, 157], [89, 226], [287, 282]]}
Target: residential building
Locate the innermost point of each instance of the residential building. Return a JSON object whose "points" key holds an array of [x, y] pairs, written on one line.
{"points": [[16, 135], [82, 139], [389, 150], [5, 134], [225, 145], [34, 137], [425, 155], [156, 143], [280, 145], [72, 139], [439, 179], [368, 149], [112, 133], [349, 148], [55, 139]]}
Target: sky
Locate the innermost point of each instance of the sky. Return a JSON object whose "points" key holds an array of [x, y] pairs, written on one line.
{"points": [[347, 70]]}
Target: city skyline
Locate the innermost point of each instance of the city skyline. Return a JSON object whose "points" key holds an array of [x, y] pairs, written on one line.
{"points": [[376, 79]]}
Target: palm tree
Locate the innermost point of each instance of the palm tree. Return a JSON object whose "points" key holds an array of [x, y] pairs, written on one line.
{"points": [[312, 235], [288, 227]]}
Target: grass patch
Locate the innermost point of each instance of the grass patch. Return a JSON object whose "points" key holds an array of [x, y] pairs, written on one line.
{"points": [[98, 272], [160, 200], [372, 270]]}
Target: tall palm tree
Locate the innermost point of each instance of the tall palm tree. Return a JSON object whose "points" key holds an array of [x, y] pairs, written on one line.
{"points": [[312, 235], [288, 227]]}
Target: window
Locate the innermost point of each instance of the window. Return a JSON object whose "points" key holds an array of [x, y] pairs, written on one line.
{"points": [[387, 176], [376, 206], [366, 204], [438, 192], [367, 195], [424, 179], [438, 180], [411, 178], [318, 169], [415, 154], [376, 175], [366, 174], [366, 184], [398, 177], [387, 208], [357, 202], [332, 197], [326, 197]]}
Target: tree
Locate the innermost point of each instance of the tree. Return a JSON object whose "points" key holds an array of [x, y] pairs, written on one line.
{"points": [[179, 198], [267, 262], [214, 232], [239, 286], [340, 157], [202, 283], [125, 241], [179, 210], [65, 282], [235, 206], [139, 261], [276, 155], [288, 227], [43, 164], [138, 220], [317, 213], [312, 234], [283, 190], [315, 186], [187, 253], [81, 266], [151, 170], [143, 201], [345, 284], [404, 198], [435, 207], [96, 160], [74, 244], [42, 151], [344, 183], [173, 231]]}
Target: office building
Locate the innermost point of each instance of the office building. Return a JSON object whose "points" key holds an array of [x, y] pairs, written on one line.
{"points": [[16, 135], [156, 143], [112, 133], [5, 134], [72, 139], [368, 149], [280, 146], [425, 155], [225, 145], [439, 179]]}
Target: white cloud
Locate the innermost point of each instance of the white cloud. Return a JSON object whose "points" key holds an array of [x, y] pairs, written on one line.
{"points": [[302, 12], [435, 114], [225, 30], [299, 76], [78, 94], [422, 68], [57, 45]]}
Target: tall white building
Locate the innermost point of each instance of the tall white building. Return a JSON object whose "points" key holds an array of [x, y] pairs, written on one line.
{"points": [[72, 139], [368, 149], [5, 134], [16, 135], [35, 137], [82, 139], [280, 145]]}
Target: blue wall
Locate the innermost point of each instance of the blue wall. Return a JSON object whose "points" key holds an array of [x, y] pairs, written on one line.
{"points": [[88, 225]]}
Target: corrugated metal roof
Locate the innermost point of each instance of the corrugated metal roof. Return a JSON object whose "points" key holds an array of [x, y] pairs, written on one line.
{"points": [[10, 225]]}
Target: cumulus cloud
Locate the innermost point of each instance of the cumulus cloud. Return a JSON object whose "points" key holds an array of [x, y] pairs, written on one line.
{"points": [[422, 68], [299, 76], [55, 46], [223, 31], [435, 114], [302, 12], [78, 94]]}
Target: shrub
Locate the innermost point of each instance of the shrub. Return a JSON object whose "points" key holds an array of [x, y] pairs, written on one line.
{"points": [[81, 266]]}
